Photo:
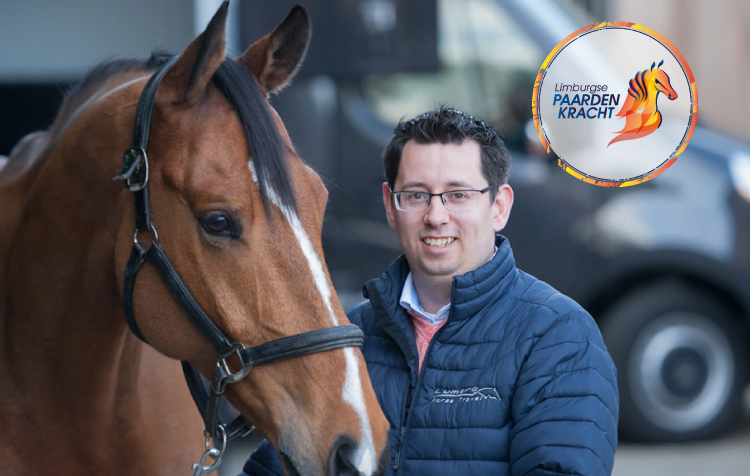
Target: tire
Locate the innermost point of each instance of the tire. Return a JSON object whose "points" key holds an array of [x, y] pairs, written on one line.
{"points": [[681, 361]]}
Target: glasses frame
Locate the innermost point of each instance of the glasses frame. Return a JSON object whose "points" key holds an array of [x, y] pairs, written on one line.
{"points": [[396, 201]]}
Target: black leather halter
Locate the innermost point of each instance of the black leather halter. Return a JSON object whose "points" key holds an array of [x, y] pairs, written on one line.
{"points": [[135, 174]]}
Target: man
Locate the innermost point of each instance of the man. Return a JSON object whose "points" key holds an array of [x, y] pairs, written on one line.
{"points": [[479, 367]]}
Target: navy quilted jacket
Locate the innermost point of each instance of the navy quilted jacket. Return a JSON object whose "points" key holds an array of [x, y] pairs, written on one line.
{"points": [[517, 382]]}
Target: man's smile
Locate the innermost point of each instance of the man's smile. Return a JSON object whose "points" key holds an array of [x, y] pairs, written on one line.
{"points": [[438, 242]]}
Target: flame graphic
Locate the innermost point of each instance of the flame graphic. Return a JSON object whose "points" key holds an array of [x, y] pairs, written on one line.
{"points": [[642, 116]]}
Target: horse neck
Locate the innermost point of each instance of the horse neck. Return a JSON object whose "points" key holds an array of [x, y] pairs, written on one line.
{"points": [[61, 324], [649, 106]]}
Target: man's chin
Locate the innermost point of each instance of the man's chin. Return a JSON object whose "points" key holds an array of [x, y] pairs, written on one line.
{"points": [[434, 270]]}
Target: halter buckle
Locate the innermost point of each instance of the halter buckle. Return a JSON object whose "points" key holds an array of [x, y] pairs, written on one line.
{"points": [[135, 169]]}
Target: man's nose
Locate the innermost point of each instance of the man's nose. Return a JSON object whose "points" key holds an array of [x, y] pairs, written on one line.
{"points": [[436, 213]]}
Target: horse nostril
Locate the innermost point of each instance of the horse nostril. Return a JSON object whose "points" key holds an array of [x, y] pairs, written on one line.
{"points": [[340, 459]]}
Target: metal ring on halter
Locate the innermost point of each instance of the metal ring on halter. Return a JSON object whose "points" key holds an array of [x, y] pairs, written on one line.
{"points": [[212, 452], [227, 376], [151, 228]]}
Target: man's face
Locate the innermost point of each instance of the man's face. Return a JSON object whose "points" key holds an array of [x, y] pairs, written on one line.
{"points": [[439, 243]]}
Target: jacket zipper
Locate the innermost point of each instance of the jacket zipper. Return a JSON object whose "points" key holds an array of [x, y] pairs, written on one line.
{"points": [[405, 419]]}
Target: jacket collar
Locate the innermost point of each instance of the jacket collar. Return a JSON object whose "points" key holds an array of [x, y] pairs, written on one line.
{"points": [[470, 292]]}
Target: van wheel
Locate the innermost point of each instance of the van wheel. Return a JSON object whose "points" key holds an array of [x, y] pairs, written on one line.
{"points": [[681, 362]]}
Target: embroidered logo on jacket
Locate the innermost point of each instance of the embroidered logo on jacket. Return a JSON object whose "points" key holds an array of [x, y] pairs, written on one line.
{"points": [[471, 394]]}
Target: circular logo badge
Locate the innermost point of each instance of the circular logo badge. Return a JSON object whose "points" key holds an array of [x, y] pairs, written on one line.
{"points": [[616, 102]]}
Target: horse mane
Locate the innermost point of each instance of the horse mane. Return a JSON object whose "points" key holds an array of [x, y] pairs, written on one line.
{"points": [[638, 86], [108, 68], [250, 103], [77, 94]]}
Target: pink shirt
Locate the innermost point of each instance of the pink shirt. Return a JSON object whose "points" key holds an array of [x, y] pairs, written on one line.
{"points": [[425, 323], [423, 332]]}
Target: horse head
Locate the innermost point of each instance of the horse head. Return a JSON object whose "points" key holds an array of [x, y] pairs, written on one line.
{"points": [[660, 81], [240, 216]]}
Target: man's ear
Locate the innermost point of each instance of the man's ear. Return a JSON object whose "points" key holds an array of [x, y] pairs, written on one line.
{"points": [[501, 207], [389, 208]]}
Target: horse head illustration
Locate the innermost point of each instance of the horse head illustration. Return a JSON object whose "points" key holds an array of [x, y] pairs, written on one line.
{"points": [[641, 113]]}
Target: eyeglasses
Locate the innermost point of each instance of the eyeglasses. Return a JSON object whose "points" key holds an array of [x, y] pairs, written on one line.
{"points": [[454, 200]]}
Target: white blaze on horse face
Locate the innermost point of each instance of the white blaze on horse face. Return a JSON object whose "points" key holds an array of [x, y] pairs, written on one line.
{"points": [[364, 458], [352, 392]]}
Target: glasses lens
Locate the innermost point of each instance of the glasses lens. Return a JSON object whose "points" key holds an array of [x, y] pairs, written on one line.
{"points": [[412, 200], [461, 199]]}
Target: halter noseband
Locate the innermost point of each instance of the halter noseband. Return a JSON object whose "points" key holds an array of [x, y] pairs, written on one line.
{"points": [[135, 174]]}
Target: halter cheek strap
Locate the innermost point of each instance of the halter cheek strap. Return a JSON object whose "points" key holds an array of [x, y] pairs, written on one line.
{"points": [[135, 174]]}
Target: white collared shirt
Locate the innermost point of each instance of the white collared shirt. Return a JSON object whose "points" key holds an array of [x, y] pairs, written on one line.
{"points": [[410, 302]]}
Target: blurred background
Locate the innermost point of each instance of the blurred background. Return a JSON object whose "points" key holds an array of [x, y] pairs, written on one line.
{"points": [[664, 267]]}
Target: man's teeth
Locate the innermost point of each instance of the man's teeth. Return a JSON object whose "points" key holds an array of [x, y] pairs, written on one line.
{"points": [[438, 241]]}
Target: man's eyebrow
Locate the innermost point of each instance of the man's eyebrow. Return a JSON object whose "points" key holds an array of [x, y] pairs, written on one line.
{"points": [[413, 185], [465, 185], [451, 185]]}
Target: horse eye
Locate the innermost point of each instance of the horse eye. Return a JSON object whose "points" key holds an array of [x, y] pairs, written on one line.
{"points": [[219, 224]]}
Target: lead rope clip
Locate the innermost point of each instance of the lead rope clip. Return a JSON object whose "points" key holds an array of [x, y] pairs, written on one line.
{"points": [[216, 453]]}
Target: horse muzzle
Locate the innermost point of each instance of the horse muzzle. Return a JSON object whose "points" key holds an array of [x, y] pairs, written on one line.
{"points": [[346, 458]]}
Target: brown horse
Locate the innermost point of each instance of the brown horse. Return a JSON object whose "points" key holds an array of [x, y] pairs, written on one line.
{"points": [[79, 393]]}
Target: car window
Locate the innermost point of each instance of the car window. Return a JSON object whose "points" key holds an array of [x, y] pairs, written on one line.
{"points": [[487, 67]]}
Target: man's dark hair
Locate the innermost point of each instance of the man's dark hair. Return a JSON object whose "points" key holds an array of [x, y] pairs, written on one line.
{"points": [[449, 126]]}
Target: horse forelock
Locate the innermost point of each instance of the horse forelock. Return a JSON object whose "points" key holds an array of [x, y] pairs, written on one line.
{"points": [[263, 137]]}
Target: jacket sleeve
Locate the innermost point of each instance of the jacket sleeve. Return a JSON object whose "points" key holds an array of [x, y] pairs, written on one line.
{"points": [[263, 462], [565, 406]]}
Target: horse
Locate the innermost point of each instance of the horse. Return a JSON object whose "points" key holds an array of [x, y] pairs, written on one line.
{"points": [[641, 113], [239, 215]]}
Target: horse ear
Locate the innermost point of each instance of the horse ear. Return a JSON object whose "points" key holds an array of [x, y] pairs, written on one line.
{"points": [[190, 74], [275, 58]]}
